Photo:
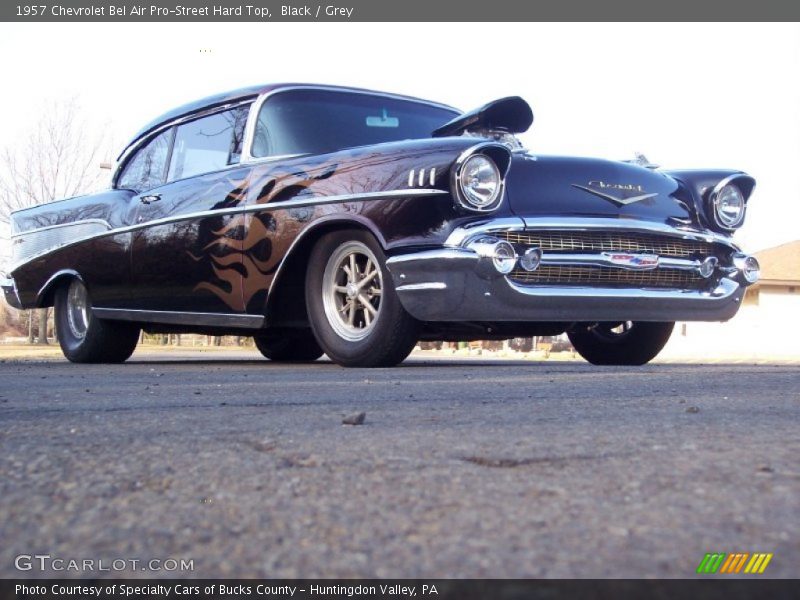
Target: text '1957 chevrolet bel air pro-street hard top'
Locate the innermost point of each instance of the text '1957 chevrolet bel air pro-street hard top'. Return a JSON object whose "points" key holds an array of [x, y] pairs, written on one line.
{"points": [[353, 223]]}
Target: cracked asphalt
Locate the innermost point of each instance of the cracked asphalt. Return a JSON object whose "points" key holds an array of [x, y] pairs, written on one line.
{"points": [[464, 467]]}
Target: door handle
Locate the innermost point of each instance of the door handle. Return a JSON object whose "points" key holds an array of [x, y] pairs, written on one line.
{"points": [[150, 198]]}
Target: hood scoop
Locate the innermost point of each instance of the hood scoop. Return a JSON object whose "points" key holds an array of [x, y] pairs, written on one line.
{"points": [[507, 115]]}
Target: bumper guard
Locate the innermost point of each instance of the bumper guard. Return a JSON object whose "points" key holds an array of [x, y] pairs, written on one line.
{"points": [[9, 287]]}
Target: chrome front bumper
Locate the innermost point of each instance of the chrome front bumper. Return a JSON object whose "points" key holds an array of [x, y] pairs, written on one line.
{"points": [[455, 283]]}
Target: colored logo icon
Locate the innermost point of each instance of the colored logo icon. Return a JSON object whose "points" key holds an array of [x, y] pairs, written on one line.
{"points": [[741, 562]]}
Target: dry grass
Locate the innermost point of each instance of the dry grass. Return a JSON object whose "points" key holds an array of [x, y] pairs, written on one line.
{"points": [[15, 351], [53, 351]]}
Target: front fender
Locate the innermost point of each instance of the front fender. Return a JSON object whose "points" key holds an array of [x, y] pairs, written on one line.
{"points": [[701, 183], [285, 299]]}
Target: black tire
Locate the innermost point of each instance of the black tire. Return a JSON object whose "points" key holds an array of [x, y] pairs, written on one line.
{"points": [[629, 343], [101, 341], [383, 340], [288, 345]]}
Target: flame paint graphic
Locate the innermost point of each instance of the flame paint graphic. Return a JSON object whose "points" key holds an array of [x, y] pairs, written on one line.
{"points": [[253, 274], [240, 273]]}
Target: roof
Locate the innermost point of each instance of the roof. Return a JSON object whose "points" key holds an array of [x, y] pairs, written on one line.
{"points": [[207, 102], [780, 264], [243, 94]]}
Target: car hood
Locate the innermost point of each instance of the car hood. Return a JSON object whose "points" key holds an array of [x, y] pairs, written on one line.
{"points": [[568, 186]]}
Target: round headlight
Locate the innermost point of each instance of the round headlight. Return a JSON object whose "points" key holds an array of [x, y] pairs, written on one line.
{"points": [[729, 207], [479, 182]]}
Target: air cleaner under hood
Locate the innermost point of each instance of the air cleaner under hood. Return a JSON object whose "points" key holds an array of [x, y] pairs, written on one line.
{"points": [[509, 115]]}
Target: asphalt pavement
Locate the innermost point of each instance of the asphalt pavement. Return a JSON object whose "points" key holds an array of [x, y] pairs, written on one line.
{"points": [[463, 467]]}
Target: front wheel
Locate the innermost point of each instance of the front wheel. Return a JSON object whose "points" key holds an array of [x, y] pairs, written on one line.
{"points": [[626, 343], [354, 311], [82, 336]]}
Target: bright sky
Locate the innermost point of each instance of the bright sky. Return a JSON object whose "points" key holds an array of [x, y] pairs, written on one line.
{"points": [[704, 95]]}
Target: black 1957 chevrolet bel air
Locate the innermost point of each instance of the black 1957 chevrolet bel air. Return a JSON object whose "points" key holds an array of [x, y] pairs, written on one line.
{"points": [[355, 223]]}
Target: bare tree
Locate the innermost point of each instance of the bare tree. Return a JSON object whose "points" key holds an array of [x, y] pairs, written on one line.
{"points": [[59, 158]]}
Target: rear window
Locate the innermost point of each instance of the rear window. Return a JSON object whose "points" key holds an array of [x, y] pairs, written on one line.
{"points": [[319, 121]]}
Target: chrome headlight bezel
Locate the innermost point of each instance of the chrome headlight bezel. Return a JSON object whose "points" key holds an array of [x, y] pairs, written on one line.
{"points": [[498, 157], [717, 203], [469, 172]]}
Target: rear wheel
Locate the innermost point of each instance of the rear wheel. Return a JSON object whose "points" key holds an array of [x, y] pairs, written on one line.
{"points": [[625, 343], [298, 345], [83, 337], [352, 306]]}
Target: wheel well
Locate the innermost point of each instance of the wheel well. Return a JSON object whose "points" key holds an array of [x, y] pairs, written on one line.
{"points": [[47, 295], [286, 304]]}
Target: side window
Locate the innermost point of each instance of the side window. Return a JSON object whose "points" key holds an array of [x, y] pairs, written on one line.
{"points": [[208, 144], [146, 169]]}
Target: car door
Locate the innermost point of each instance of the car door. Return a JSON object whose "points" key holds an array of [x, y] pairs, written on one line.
{"points": [[187, 234]]}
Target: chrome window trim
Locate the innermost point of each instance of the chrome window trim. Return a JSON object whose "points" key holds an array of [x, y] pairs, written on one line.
{"points": [[254, 208], [269, 159], [461, 236], [122, 159], [255, 109], [181, 318], [252, 118]]}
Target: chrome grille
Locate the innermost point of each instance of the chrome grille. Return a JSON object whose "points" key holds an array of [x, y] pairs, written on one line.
{"points": [[578, 275], [603, 241]]}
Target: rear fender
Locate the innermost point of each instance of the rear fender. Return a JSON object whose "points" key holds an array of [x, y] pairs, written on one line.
{"points": [[47, 294]]}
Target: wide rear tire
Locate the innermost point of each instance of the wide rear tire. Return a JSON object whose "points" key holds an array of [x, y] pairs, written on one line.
{"points": [[352, 305], [82, 336], [628, 343]]}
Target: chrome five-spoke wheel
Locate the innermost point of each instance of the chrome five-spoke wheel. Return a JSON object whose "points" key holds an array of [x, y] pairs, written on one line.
{"points": [[352, 287]]}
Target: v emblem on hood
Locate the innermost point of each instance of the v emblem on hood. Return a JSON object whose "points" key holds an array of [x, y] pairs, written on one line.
{"points": [[614, 192]]}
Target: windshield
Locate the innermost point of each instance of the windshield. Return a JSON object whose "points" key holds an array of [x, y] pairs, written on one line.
{"points": [[319, 121]]}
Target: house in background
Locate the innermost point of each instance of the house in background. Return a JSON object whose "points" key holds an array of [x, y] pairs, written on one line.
{"points": [[766, 327], [780, 277]]}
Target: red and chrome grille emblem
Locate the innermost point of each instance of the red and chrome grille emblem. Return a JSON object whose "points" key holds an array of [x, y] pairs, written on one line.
{"points": [[639, 262]]}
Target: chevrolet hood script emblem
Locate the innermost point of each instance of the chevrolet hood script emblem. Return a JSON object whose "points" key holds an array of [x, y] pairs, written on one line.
{"points": [[618, 193]]}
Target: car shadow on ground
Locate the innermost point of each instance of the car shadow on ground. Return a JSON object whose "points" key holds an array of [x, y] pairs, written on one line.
{"points": [[446, 363]]}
